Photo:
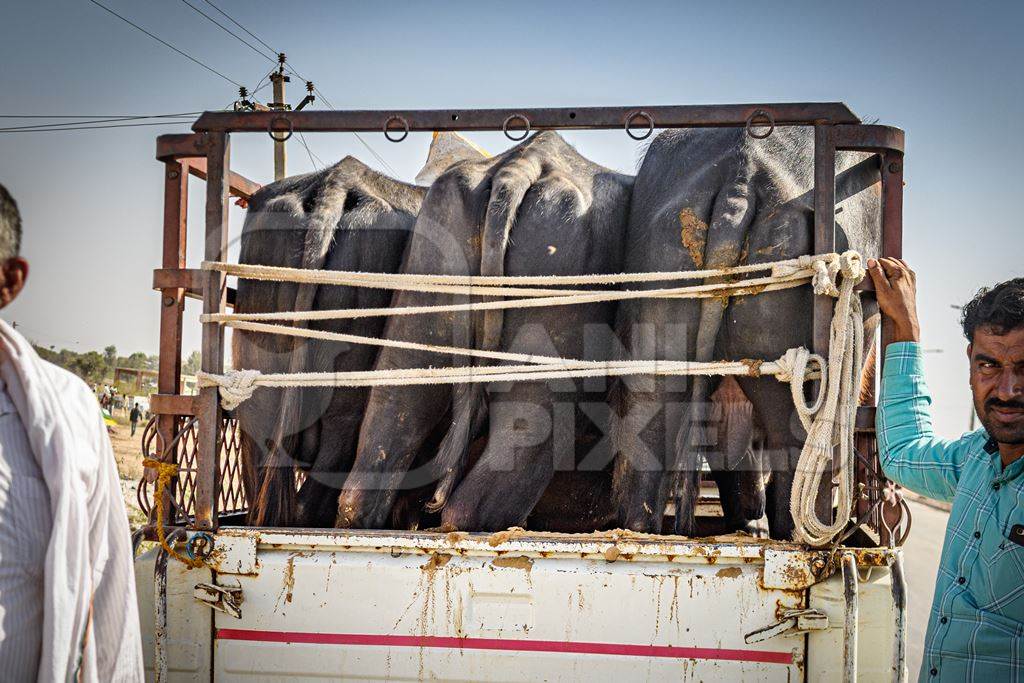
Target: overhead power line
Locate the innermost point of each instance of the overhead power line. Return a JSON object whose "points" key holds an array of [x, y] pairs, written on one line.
{"points": [[90, 121], [260, 85], [295, 73], [95, 116], [231, 33], [113, 125], [373, 152], [251, 34], [309, 153], [164, 42]]}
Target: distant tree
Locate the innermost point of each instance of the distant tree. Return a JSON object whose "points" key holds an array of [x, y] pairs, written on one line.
{"points": [[137, 361], [95, 367], [48, 355], [90, 366], [192, 363]]}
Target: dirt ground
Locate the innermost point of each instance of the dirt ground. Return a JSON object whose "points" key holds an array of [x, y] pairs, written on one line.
{"points": [[128, 454]]}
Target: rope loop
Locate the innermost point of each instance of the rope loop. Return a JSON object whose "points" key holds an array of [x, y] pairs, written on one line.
{"points": [[793, 368]]}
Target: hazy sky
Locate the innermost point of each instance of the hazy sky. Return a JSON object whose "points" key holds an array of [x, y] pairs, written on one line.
{"points": [[948, 73]]}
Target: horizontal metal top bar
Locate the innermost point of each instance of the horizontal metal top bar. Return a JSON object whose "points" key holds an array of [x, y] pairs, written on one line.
{"points": [[681, 116], [632, 545]]}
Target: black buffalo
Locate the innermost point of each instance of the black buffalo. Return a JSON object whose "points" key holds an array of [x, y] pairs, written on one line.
{"points": [[710, 198], [346, 217], [537, 209]]}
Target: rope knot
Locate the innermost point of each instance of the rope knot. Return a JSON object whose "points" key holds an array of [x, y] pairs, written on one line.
{"points": [[851, 265], [824, 280], [789, 362], [794, 266], [236, 386]]}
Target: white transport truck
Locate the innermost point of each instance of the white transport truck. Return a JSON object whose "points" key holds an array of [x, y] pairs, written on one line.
{"points": [[517, 606], [267, 604]]}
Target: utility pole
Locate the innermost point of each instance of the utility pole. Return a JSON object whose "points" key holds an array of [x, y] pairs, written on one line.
{"points": [[278, 104], [280, 153]]}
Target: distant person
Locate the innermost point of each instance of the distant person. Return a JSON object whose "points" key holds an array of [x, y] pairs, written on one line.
{"points": [[67, 588], [976, 627], [134, 417]]}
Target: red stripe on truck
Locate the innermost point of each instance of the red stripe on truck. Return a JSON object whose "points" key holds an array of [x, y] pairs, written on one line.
{"points": [[671, 651]]}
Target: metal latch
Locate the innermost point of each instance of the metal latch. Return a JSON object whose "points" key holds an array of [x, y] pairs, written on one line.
{"points": [[793, 621], [227, 599]]}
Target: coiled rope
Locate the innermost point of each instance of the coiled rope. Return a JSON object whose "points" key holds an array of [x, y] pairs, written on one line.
{"points": [[828, 420]]}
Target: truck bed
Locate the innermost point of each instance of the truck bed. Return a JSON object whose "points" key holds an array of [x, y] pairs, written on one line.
{"points": [[517, 606]]}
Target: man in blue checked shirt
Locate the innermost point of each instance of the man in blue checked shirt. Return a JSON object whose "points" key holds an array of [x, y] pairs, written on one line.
{"points": [[976, 627]]}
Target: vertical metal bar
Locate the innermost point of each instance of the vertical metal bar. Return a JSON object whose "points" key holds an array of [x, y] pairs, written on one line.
{"points": [[892, 226], [899, 598], [172, 304], [218, 157], [851, 616], [160, 608], [824, 242], [824, 224], [160, 617]]}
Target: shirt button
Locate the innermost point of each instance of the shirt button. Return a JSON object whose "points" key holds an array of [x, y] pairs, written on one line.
{"points": [[961, 580], [934, 672], [995, 486], [977, 534], [943, 620]]}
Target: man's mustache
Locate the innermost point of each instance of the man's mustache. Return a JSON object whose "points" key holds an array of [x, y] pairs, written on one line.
{"points": [[999, 403]]}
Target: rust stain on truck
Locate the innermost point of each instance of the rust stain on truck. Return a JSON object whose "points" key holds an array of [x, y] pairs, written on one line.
{"points": [[514, 562], [436, 560]]}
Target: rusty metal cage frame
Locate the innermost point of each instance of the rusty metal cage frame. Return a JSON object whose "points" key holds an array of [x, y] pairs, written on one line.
{"points": [[203, 446]]}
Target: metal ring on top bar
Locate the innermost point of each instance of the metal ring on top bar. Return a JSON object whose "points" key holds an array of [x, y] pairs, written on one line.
{"points": [[639, 115], [271, 130], [404, 131], [510, 119], [763, 115]]}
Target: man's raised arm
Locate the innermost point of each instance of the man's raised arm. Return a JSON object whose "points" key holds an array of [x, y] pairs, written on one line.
{"points": [[910, 453]]}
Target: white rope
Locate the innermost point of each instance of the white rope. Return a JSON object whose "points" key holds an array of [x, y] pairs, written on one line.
{"points": [[829, 420], [324, 335], [401, 280], [566, 296], [739, 288], [239, 383]]}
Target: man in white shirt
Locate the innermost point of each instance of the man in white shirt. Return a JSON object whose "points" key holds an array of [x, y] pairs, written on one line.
{"points": [[67, 592]]}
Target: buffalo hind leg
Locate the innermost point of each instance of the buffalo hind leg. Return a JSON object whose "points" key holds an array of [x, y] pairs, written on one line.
{"points": [[516, 466], [783, 439]]}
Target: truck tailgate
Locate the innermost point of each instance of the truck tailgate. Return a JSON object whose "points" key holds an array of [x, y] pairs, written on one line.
{"points": [[509, 607]]}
